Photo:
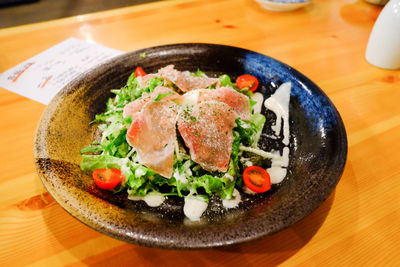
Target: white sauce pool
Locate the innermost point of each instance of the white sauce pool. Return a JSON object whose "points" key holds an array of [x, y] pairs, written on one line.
{"points": [[279, 104], [230, 177], [277, 174], [281, 160], [139, 172], [259, 98], [234, 201], [248, 191], [248, 163], [194, 208], [153, 199], [180, 177], [278, 171]]}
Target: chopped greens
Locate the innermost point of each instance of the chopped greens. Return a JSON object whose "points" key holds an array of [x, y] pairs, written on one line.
{"points": [[189, 178]]}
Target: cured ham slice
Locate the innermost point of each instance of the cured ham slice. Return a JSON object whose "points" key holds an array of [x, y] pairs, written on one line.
{"points": [[175, 76], [138, 104], [196, 82], [153, 135], [207, 132], [183, 80], [237, 101]]}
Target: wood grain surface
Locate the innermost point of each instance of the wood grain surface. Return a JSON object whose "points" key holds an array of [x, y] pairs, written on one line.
{"points": [[357, 225]]}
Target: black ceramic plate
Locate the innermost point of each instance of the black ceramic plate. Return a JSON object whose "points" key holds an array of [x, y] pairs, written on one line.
{"points": [[318, 149]]}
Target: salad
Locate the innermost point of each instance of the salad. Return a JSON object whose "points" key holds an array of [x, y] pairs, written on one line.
{"points": [[183, 134]]}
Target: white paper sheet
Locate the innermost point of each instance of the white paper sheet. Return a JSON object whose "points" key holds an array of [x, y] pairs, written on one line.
{"points": [[42, 76]]}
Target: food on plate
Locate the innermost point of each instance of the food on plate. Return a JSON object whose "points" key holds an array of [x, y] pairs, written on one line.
{"points": [[247, 81], [107, 178], [256, 179], [180, 134], [139, 72]]}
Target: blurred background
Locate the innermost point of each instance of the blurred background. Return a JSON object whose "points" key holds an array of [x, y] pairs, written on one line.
{"points": [[20, 12]]}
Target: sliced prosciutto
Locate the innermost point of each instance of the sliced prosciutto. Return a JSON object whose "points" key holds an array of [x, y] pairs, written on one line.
{"points": [[153, 135], [237, 101], [196, 82], [183, 80], [207, 132], [138, 104]]}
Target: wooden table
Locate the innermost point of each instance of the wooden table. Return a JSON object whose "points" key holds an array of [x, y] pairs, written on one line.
{"points": [[357, 225]]}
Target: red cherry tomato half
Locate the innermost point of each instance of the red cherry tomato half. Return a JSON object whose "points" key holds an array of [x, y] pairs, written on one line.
{"points": [[247, 81], [107, 178], [139, 72], [257, 179]]}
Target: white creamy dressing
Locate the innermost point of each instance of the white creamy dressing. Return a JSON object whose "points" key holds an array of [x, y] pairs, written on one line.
{"points": [[139, 172], [248, 191], [277, 174], [248, 163], [180, 177], [281, 160], [245, 161], [234, 201], [153, 199], [194, 207], [259, 152], [259, 98], [277, 171], [279, 104], [230, 177]]}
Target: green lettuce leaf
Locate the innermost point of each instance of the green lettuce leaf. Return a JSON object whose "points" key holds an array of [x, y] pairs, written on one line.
{"points": [[226, 81], [93, 162], [258, 121], [250, 131]]}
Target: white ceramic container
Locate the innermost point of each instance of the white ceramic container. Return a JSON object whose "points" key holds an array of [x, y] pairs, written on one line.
{"points": [[383, 49]]}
